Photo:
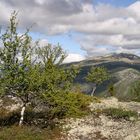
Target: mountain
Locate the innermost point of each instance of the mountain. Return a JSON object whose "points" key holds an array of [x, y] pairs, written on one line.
{"points": [[115, 57], [125, 55], [124, 69]]}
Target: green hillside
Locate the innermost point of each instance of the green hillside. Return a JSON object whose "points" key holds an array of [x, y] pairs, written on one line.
{"points": [[125, 81], [124, 70]]}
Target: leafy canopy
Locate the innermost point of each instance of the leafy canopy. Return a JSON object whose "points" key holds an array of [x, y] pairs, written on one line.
{"points": [[97, 75], [35, 74], [15, 61]]}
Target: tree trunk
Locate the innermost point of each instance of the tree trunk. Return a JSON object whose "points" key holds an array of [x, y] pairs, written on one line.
{"points": [[22, 115], [93, 90]]}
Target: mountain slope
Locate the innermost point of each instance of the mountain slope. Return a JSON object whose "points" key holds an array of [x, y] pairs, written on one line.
{"points": [[125, 80], [124, 69]]}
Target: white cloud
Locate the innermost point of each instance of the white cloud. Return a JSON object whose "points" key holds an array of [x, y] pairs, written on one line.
{"points": [[73, 57], [40, 2], [101, 25], [135, 9], [43, 42]]}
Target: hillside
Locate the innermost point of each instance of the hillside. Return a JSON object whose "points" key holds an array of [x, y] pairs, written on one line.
{"points": [[124, 70], [115, 57]]}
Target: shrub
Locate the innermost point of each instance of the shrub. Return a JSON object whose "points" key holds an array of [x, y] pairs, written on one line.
{"points": [[36, 72], [56, 106], [68, 105], [29, 133], [119, 113], [111, 89], [97, 75]]}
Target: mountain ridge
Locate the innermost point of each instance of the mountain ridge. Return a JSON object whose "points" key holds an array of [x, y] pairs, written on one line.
{"points": [[123, 68]]}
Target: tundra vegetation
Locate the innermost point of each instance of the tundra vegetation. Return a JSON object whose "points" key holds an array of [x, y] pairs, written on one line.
{"points": [[34, 76], [111, 89], [97, 75]]}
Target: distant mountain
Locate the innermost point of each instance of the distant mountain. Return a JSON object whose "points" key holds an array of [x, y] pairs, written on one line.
{"points": [[124, 68], [125, 55], [115, 57], [120, 57], [125, 80]]}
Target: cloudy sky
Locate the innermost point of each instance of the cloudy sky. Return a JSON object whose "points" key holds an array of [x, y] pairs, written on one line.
{"points": [[84, 28]]}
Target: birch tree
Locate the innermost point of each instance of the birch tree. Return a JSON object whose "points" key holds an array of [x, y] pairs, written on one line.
{"points": [[97, 75], [55, 78], [15, 64], [23, 78]]}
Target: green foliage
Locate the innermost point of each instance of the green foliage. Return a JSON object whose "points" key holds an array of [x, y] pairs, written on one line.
{"points": [[97, 75], [68, 105], [119, 113], [29, 133], [15, 61], [54, 78], [30, 72], [55, 106], [51, 55], [111, 89]]}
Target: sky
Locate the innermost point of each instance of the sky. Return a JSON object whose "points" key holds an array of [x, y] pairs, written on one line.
{"points": [[84, 28]]}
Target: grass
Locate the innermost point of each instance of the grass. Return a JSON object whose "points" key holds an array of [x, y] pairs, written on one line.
{"points": [[119, 113], [29, 133], [35, 127]]}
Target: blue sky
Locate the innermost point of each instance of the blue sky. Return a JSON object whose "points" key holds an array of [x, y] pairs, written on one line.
{"points": [[116, 3], [84, 28], [67, 42]]}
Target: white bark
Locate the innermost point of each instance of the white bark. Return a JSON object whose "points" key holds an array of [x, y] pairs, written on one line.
{"points": [[22, 115], [93, 91]]}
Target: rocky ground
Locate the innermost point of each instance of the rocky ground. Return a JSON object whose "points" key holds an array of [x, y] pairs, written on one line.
{"points": [[102, 127], [98, 126]]}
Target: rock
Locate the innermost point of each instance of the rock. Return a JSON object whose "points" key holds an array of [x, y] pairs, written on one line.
{"points": [[10, 103], [132, 119], [103, 127], [113, 102], [87, 129]]}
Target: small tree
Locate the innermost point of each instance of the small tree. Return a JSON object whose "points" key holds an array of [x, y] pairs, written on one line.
{"points": [[26, 79], [50, 55], [97, 75], [15, 64], [56, 80], [54, 77], [111, 89]]}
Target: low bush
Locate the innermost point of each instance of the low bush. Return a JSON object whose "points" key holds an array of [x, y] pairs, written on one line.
{"points": [[55, 107], [29, 133], [119, 113], [68, 105]]}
